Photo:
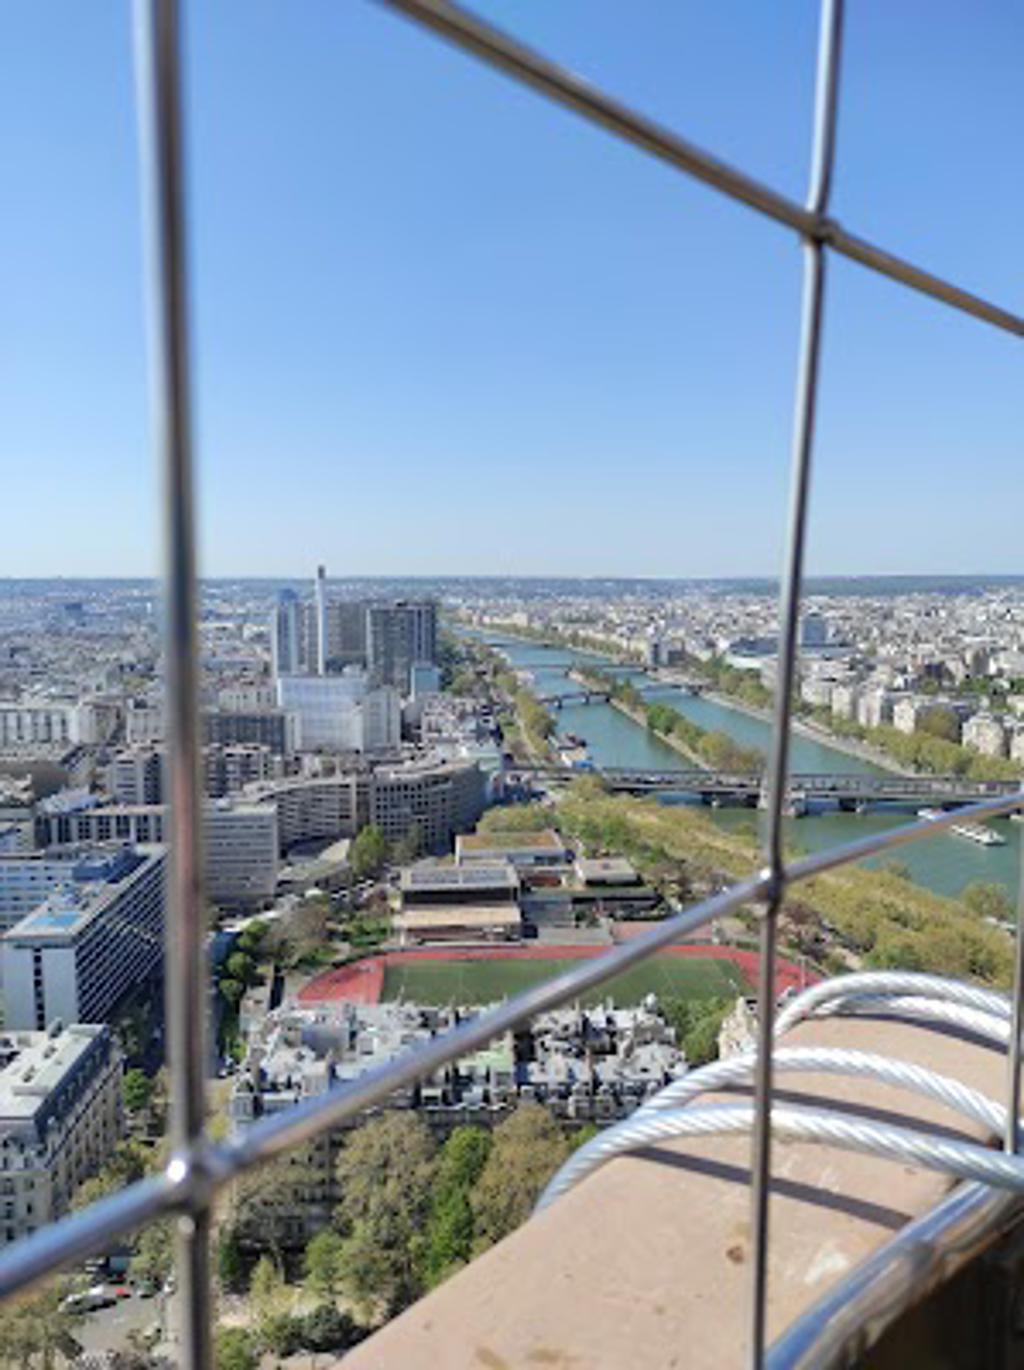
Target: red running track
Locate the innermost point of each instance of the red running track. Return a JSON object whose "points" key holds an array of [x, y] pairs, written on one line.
{"points": [[362, 982]]}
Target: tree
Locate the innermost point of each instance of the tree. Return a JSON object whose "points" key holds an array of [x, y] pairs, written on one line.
{"points": [[369, 852], [326, 1328], [409, 847], [526, 1151], [153, 1259], [988, 900], [230, 1261], [697, 1023], [234, 1349], [32, 1330], [448, 1235], [323, 1262], [281, 1334], [136, 1090], [941, 722], [240, 966], [384, 1174], [232, 990]]}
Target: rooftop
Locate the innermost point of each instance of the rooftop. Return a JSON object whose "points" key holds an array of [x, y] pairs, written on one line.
{"points": [[73, 905], [34, 1063], [478, 876], [545, 841]]}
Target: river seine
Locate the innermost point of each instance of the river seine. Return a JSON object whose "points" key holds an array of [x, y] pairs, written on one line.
{"points": [[944, 864]]}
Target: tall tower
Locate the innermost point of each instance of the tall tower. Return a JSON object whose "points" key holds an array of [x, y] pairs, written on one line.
{"points": [[284, 635], [321, 620]]}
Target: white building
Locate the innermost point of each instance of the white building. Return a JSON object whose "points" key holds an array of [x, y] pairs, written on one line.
{"points": [[382, 720], [136, 776], [81, 951], [327, 710], [875, 707], [986, 734], [60, 1117], [844, 700], [30, 722]]}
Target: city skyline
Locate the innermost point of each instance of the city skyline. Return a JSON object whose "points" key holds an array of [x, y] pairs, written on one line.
{"points": [[459, 346]]}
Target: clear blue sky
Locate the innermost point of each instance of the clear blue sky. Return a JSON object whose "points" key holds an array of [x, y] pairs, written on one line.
{"points": [[442, 326]]}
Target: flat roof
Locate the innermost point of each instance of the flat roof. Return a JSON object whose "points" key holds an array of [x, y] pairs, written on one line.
{"points": [[478, 876], [465, 915], [608, 870], [545, 840], [41, 1062], [70, 907]]}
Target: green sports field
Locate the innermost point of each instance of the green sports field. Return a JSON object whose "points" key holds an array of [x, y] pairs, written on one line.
{"points": [[484, 982]]}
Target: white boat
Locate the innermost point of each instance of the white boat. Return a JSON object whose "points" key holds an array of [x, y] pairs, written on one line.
{"points": [[977, 832], [929, 813]]}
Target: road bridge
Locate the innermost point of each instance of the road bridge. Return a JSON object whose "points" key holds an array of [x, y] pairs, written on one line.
{"points": [[850, 792]]}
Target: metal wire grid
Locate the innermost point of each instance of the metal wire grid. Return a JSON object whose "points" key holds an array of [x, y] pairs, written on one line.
{"points": [[198, 1166]]}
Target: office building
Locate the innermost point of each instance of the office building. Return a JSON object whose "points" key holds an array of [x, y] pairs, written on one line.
{"points": [[60, 1117], [382, 720], [471, 903], [30, 722], [240, 848], [271, 728], [240, 841], [435, 797], [89, 944], [327, 710], [226, 770], [400, 636], [136, 776], [285, 635]]}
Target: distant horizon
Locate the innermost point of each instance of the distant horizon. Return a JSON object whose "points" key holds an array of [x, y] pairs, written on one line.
{"points": [[967, 577]]}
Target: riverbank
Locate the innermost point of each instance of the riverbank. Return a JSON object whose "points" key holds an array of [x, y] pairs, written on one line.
{"points": [[813, 732], [669, 739]]}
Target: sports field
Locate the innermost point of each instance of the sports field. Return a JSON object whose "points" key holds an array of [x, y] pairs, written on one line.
{"points": [[486, 981]]}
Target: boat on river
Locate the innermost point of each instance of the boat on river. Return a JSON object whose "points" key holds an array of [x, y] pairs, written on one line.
{"points": [[977, 832]]}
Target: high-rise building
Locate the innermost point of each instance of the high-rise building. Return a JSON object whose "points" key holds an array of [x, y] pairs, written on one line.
{"points": [[398, 637], [78, 954], [320, 600], [286, 634]]}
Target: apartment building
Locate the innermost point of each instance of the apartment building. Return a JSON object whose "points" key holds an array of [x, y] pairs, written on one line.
{"points": [[79, 953], [60, 1116]]}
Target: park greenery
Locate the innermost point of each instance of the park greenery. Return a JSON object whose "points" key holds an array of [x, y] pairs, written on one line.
{"points": [[412, 1211], [854, 915]]}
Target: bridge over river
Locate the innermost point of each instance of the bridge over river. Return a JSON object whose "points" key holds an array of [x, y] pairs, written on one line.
{"points": [[850, 792]]}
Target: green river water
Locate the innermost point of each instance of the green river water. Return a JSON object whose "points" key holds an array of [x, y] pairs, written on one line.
{"points": [[943, 863]]}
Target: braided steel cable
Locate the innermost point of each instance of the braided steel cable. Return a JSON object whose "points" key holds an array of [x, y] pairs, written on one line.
{"points": [[987, 1025], [959, 1097], [837, 1061], [965, 1160], [930, 999], [890, 982]]}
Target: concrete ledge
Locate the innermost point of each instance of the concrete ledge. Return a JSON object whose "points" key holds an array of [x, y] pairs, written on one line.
{"points": [[647, 1263]]}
